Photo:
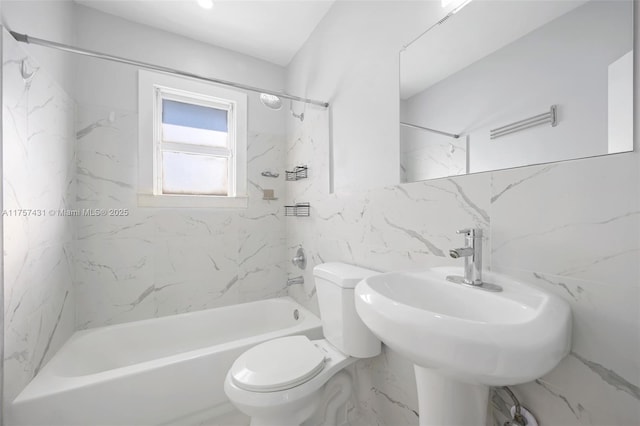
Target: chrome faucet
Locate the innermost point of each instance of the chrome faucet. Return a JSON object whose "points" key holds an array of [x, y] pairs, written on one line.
{"points": [[472, 253]]}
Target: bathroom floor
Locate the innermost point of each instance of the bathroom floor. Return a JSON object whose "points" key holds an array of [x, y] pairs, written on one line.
{"points": [[234, 418]]}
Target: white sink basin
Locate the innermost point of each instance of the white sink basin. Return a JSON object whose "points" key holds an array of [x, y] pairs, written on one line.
{"points": [[470, 335]]}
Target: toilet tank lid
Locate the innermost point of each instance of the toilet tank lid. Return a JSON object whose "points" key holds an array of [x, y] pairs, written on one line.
{"points": [[342, 274]]}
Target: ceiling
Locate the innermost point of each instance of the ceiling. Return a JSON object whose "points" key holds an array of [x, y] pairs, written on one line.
{"points": [[273, 30]]}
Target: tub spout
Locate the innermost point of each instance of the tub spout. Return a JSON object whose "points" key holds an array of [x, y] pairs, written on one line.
{"points": [[295, 280]]}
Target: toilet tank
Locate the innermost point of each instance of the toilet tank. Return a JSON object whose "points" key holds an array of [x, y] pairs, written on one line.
{"points": [[342, 327]]}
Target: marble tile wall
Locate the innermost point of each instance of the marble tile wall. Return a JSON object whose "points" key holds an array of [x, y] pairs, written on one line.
{"points": [[571, 228], [152, 262], [155, 262], [39, 169], [72, 271]]}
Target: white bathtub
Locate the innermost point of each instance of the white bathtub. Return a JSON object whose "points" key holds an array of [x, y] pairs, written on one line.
{"points": [[164, 371]]}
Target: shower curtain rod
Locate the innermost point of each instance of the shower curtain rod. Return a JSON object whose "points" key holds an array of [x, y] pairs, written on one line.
{"points": [[440, 132], [24, 38]]}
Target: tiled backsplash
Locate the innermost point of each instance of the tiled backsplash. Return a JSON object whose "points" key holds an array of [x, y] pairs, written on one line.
{"points": [[571, 228]]}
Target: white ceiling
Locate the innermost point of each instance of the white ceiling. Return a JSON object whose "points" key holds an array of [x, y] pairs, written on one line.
{"points": [[273, 30]]}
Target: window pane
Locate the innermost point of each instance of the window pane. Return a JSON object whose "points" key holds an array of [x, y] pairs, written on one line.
{"points": [[195, 124], [190, 115], [181, 134], [194, 174]]}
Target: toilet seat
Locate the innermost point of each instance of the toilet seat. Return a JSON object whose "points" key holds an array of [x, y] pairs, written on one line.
{"points": [[278, 364]]}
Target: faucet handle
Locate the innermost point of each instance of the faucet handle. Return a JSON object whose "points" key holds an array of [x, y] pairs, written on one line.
{"points": [[471, 232]]}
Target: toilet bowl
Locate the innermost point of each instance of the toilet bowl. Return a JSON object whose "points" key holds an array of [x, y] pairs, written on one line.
{"points": [[287, 381], [288, 396]]}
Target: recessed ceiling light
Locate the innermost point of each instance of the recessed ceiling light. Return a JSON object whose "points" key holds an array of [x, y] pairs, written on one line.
{"points": [[205, 4]]}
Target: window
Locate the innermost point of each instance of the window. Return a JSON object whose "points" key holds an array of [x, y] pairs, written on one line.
{"points": [[192, 143]]}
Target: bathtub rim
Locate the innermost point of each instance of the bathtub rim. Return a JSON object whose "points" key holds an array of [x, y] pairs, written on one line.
{"points": [[48, 381]]}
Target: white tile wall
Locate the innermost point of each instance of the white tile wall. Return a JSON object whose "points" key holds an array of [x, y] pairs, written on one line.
{"points": [[155, 262], [39, 158], [75, 272], [572, 228]]}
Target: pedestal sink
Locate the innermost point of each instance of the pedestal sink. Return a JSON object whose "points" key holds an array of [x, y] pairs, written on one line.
{"points": [[463, 339]]}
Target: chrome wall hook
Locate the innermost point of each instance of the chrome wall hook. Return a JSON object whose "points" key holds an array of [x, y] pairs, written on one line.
{"points": [[298, 116], [24, 71]]}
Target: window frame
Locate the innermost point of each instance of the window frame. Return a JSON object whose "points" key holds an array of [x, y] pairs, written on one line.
{"points": [[153, 87]]}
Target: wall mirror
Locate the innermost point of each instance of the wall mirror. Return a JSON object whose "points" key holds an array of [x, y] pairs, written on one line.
{"points": [[501, 84]]}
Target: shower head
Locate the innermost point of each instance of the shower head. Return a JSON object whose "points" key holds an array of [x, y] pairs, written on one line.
{"points": [[275, 103], [271, 101]]}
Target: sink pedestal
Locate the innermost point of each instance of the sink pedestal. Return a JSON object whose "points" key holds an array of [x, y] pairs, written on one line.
{"points": [[443, 401]]}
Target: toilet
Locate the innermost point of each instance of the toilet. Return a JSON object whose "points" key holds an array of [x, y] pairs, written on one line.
{"points": [[290, 380]]}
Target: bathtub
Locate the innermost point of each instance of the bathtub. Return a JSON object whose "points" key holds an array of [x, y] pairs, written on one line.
{"points": [[164, 371]]}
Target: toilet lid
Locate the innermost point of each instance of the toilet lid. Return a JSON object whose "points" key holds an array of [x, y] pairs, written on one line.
{"points": [[278, 364]]}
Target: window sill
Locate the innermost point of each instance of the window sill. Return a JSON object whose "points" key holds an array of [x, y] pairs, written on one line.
{"points": [[192, 201]]}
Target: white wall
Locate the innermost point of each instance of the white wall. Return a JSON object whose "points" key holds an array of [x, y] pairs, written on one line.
{"points": [[38, 173], [155, 261], [351, 60], [146, 44], [162, 261], [47, 19], [38, 159], [2, 258], [571, 227]]}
